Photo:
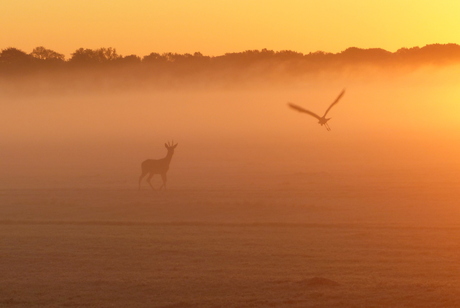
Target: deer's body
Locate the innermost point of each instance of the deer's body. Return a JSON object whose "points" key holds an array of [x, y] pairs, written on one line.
{"points": [[157, 166]]}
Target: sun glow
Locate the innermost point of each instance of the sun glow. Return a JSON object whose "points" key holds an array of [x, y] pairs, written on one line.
{"points": [[263, 207], [215, 28]]}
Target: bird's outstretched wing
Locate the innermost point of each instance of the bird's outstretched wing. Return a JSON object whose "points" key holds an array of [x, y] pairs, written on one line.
{"points": [[335, 102], [300, 109]]}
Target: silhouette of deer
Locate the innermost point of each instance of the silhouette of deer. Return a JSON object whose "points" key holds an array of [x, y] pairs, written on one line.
{"points": [[321, 120], [157, 166]]}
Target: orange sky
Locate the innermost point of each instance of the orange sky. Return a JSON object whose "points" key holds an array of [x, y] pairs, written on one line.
{"points": [[216, 27]]}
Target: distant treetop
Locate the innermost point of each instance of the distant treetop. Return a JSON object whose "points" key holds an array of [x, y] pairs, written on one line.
{"points": [[15, 60]]}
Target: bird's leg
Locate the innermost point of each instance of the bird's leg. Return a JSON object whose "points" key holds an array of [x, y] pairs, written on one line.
{"points": [[327, 126]]}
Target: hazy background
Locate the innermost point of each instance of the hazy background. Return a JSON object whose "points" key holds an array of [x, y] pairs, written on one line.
{"points": [[264, 207], [388, 122]]}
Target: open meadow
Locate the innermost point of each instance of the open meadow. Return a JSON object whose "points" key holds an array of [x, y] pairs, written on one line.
{"points": [[263, 207], [321, 241]]}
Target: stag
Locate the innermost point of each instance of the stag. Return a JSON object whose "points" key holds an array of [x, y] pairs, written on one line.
{"points": [[157, 166]]}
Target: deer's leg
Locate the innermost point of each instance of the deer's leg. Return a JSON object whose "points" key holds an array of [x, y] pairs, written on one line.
{"points": [[140, 178], [163, 177], [148, 180]]}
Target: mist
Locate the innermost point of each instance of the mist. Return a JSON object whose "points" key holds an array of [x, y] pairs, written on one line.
{"points": [[386, 121], [263, 206]]}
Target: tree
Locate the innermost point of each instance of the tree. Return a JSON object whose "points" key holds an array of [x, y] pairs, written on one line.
{"points": [[131, 59], [13, 60], [107, 54], [153, 57], [14, 56], [46, 54], [372, 55], [90, 56]]}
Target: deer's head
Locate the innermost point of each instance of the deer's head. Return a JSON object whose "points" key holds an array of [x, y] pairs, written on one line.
{"points": [[170, 147]]}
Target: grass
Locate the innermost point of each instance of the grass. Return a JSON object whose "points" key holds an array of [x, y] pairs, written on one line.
{"points": [[224, 248]]}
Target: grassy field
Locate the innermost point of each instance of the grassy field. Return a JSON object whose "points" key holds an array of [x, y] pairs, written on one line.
{"points": [[349, 246], [264, 207]]}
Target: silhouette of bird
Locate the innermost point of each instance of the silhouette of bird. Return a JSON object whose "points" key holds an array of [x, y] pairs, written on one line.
{"points": [[321, 120]]}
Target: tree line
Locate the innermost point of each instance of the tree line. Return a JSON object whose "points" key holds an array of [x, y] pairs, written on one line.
{"points": [[104, 69], [13, 59]]}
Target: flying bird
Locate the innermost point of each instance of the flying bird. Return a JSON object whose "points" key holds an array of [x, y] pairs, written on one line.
{"points": [[321, 120]]}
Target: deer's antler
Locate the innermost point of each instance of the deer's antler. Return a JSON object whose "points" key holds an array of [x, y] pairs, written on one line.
{"points": [[170, 144]]}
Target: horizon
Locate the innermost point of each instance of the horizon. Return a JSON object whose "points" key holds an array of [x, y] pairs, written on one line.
{"points": [[67, 57]]}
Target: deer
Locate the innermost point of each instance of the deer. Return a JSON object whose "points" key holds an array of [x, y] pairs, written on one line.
{"points": [[157, 166]]}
